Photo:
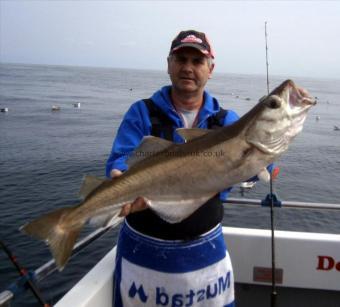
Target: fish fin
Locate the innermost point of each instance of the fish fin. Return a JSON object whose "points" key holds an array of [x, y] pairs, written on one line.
{"points": [[264, 175], [105, 220], [56, 233], [149, 146], [89, 184], [189, 134]]}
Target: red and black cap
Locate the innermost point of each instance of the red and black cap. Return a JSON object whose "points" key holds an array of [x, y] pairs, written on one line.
{"points": [[193, 39]]}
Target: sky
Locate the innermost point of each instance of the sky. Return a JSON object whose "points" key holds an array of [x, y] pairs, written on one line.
{"points": [[303, 36]]}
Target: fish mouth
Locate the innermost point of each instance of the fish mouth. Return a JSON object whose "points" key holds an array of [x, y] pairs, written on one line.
{"points": [[282, 119], [296, 97]]}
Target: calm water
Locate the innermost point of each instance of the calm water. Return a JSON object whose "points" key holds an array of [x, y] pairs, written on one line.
{"points": [[44, 154]]}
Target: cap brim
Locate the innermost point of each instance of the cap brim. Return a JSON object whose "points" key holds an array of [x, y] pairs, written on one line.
{"points": [[190, 45]]}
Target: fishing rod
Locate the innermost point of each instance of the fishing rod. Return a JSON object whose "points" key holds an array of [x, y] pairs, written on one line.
{"points": [[49, 267], [24, 273], [271, 197]]}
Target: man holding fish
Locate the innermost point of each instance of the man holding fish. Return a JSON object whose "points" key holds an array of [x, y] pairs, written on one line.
{"points": [[171, 250], [192, 251]]}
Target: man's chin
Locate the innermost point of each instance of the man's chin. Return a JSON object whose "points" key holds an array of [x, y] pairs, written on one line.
{"points": [[188, 86]]}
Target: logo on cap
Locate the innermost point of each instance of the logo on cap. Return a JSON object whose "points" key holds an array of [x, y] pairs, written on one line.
{"points": [[191, 39]]}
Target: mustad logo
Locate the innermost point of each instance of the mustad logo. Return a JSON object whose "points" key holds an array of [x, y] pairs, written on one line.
{"points": [[190, 297], [140, 292], [327, 263]]}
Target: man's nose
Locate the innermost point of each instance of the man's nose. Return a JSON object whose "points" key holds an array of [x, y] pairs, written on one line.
{"points": [[188, 65]]}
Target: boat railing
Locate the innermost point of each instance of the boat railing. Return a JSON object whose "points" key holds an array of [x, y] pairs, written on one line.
{"points": [[284, 204], [49, 267]]}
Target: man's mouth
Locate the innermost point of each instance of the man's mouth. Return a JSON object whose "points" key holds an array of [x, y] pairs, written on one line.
{"points": [[187, 79]]}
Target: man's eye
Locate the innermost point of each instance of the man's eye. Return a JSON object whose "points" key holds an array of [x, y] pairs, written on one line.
{"points": [[181, 59], [198, 61], [194, 61]]}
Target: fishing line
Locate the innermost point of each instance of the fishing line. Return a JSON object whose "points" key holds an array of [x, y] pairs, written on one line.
{"points": [[273, 293]]}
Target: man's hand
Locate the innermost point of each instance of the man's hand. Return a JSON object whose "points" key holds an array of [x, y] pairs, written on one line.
{"points": [[115, 173], [138, 205]]}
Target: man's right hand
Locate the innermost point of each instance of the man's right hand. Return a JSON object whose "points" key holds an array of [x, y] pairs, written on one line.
{"points": [[115, 173]]}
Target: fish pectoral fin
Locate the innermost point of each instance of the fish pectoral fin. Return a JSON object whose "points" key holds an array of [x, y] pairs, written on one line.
{"points": [[89, 184], [105, 220], [59, 235], [189, 134], [149, 146], [264, 175]]}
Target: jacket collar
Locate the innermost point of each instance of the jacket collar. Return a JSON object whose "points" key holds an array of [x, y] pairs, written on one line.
{"points": [[163, 100]]}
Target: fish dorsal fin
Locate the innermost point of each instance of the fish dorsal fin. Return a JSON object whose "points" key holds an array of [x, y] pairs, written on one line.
{"points": [[189, 134], [149, 146], [89, 184]]}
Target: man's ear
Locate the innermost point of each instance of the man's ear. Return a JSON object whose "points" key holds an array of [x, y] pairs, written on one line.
{"points": [[212, 66], [168, 61]]}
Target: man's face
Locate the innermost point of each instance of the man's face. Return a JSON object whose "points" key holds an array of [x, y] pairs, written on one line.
{"points": [[189, 70]]}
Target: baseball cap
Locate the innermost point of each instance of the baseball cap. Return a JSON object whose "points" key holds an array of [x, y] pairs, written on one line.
{"points": [[194, 39]]}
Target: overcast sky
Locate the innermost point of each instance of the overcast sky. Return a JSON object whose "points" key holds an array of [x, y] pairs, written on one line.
{"points": [[303, 36]]}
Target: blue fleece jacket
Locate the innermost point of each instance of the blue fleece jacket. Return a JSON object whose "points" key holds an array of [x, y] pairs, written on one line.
{"points": [[136, 124]]}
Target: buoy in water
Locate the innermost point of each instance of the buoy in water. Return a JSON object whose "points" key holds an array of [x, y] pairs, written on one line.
{"points": [[247, 185], [55, 108]]}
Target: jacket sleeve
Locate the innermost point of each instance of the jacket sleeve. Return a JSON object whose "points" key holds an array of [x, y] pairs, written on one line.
{"points": [[134, 126]]}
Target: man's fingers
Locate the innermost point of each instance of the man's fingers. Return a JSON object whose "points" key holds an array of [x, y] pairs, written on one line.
{"points": [[115, 173], [125, 210], [138, 205]]}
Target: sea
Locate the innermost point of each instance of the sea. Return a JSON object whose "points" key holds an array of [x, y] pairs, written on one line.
{"points": [[44, 155]]}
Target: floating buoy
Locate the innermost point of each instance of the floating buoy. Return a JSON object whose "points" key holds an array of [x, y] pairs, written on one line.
{"points": [[55, 108], [247, 184]]}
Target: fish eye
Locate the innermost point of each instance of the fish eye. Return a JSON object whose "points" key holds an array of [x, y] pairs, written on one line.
{"points": [[273, 102]]}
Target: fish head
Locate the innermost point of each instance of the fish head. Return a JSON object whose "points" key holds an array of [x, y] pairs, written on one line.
{"points": [[279, 117]]}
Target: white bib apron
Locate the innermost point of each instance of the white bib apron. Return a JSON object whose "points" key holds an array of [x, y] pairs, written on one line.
{"points": [[153, 272]]}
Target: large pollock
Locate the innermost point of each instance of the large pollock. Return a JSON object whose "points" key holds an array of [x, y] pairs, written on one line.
{"points": [[176, 179]]}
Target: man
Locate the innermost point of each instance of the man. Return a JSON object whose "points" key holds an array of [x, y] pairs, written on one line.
{"points": [[186, 263]]}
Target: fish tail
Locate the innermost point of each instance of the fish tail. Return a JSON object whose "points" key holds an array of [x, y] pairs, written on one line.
{"points": [[55, 231]]}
